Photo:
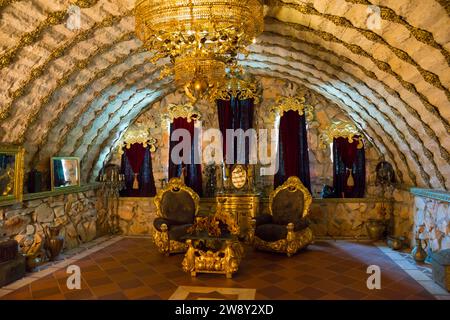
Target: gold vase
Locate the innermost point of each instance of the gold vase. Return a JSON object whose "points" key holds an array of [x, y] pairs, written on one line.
{"points": [[418, 253], [375, 229], [53, 242]]}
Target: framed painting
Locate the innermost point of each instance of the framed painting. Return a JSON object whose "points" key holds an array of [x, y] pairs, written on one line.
{"points": [[11, 173]]}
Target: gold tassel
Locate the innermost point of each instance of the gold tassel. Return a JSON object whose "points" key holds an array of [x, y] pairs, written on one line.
{"points": [[350, 180], [135, 182]]}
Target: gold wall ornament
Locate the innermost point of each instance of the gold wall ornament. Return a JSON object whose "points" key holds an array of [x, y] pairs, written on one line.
{"points": [[297, 103], [11, 173], [187, 111], [236, 86], [340, 129], [138, 134]]}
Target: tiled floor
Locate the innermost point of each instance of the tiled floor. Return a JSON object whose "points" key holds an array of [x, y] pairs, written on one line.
{"points": [[131, 268]]}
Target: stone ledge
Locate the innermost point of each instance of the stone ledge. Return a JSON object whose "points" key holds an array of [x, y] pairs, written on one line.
{"points": [[432, 194], [52, 193]]}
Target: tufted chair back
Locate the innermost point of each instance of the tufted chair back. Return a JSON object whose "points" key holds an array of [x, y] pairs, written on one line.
{"points": [[177, 202], [290, 202]]}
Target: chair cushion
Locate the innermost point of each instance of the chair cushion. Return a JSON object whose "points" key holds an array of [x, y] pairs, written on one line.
{"points": [[287, 206], [158, 222], [271, 232], [178, 231], [263, 219], [178, 206]]}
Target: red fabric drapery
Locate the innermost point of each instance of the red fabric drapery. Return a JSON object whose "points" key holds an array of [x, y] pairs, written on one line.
{"points": [[347, 151], [348, 168], [193, 172], [293, 158], [289, 127], [135, 155]]}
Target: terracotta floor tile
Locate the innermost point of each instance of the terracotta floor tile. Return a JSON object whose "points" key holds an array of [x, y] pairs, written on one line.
{"points": [[311, 293], [131, 268], [105, 289], [272, 292], [351, 294], [79, 294]]}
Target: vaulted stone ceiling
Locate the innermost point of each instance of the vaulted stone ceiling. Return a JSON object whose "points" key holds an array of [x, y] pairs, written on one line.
{"points": [[73, 92]]}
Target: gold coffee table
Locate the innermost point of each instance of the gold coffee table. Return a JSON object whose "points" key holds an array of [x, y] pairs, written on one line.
{"points": [[208, 254]]}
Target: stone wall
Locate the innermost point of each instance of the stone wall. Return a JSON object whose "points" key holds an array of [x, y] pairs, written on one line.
{"points": [[432, 219], [325, 113], [335, 218], [77, 212], [136, 215]]}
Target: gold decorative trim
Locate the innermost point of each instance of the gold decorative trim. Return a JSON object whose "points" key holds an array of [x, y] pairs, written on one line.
{"points": [[187, 111], [296, 103], [380, 64], [235, 87], [225, 261], [59, 52], [96, 95], [137, 135], [413, 112], [293, 184], [161, 239], [419, 34], [114, 130], [340, 129], [18, 174], [294, 240]]}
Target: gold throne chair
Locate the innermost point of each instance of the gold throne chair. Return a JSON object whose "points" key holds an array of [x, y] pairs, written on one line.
{"points": [[285, 229], [176, 208]]}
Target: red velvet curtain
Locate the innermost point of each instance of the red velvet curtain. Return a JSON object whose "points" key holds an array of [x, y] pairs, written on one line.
{"points": [[293, 158], [135, 157], [138, 160], [193, 172], [348, 169]]}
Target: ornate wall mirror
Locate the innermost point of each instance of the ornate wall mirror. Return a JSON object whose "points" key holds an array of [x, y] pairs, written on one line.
{"points": [[11, 173], [65, 172]]}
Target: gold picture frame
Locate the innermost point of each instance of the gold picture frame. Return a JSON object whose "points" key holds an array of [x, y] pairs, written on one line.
{"points": [[239, 176], [65, 172], [11, 173]]}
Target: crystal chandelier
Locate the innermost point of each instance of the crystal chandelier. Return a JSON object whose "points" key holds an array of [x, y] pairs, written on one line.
{"points": [[200, 37]]}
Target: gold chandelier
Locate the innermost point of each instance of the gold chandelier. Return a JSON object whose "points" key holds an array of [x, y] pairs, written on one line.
{"points": [[200, 37]]}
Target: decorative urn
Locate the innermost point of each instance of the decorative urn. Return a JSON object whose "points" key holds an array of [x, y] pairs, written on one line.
{"points": [[53, 242], [375, 229]]}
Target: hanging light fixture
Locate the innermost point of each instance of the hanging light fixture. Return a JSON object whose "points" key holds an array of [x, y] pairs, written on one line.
{"points": [[200, 37]]}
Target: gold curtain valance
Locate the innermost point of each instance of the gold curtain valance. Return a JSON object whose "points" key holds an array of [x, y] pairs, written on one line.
{"points": [[138, 135], [237, 88], [187, 111], [296, 103], [340, 129]]}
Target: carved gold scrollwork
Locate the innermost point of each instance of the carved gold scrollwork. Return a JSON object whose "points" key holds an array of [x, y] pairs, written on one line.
{"points": [[340, 129], [297, 103], [161, 238], [237, 88], [138, 135], [187, 111]]}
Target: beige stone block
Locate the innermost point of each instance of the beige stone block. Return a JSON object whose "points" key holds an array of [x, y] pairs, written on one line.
{"points": [[44, 213]]}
